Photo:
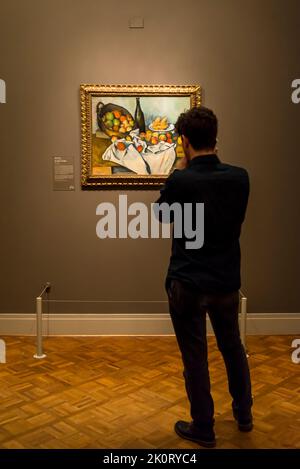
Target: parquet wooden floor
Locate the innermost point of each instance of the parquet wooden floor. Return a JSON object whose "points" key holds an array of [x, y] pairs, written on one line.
{"points": [[127, 392]]}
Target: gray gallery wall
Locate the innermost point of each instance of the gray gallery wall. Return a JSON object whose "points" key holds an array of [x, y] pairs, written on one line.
{"points": [[245, 55]]}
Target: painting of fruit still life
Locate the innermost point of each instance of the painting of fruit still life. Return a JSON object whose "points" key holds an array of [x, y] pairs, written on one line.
{"points": [[128, 133]]}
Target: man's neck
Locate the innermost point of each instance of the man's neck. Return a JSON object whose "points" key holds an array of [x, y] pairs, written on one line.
{"points": [[195, 153]]}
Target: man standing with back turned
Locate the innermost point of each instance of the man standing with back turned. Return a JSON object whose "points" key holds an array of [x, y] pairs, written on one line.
{"points": [[207, 280]]}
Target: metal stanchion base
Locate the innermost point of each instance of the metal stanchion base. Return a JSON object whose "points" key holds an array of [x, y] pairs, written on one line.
{"points": [[39, 356]]}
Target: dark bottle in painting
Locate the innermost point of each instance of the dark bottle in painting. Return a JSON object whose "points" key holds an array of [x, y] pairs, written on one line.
{"points": [[139, 116]]}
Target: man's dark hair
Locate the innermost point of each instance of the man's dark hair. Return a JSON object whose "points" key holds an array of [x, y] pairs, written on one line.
{"points": [[200, 126]]}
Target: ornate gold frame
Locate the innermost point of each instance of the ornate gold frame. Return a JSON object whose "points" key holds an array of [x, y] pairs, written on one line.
{"points": [[135, 181]]}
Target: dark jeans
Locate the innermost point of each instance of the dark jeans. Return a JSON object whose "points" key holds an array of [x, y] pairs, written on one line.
{"points": [[188, 313]]}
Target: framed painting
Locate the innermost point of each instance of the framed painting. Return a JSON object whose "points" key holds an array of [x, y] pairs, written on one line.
{"points": [[128, 135]]}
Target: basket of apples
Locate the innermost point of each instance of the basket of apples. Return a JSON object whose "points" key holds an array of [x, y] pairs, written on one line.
{"points": [[114, 120]]}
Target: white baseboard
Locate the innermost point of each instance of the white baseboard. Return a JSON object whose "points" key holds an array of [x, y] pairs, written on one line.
{"points": [[134, 324]]}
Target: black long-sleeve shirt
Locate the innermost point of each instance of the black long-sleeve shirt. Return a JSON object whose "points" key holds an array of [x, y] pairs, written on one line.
{"points": [[224, 190]]}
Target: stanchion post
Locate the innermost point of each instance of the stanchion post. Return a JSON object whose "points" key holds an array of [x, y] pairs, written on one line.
{"points": [[39, 328]]}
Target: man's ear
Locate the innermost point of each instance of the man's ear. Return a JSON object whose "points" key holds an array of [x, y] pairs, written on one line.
{"points": [[185, 141], [216, 146]]}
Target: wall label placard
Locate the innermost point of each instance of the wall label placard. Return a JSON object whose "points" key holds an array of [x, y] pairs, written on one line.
{"points": [[63, 173]]}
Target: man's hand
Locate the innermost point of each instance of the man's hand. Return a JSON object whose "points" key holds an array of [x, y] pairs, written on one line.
{"points": [[181, 163]]}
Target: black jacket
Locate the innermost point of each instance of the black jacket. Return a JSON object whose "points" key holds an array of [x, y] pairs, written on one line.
{"points": [[224, 190]]}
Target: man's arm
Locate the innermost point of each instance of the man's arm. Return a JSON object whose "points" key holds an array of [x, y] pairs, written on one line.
{"points": [[168, 192], [168, 195]]}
